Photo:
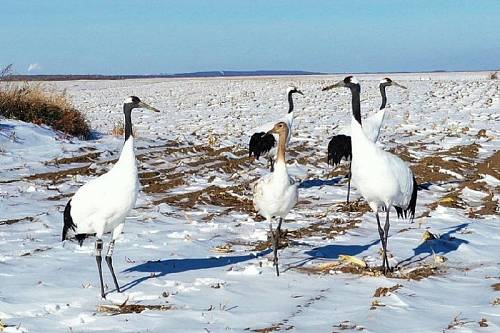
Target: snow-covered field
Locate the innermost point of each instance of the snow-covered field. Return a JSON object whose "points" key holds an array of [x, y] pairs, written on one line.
{"points": [[194, 255]]}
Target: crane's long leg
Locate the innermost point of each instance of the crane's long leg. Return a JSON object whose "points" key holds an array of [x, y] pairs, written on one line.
{"points": [[275, 244], [98, 258], [382, 239], [109, 261], [349, 184], [277, 241], [271, 162], [386, 234]]}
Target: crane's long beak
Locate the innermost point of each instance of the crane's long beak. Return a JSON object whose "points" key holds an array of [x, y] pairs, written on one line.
{"points": [[300, 92], [335, 85], [398, 85], [149, 107]]}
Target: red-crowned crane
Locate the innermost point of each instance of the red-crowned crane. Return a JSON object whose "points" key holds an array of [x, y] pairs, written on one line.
{"points": [[101, 205], [263, 143], [383, 179], [275, 194], [339, 146]]}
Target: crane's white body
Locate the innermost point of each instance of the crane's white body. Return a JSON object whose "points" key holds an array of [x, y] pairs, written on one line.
{"points": [[371, 126], [103, 203], [382, 178], [275, 194]]}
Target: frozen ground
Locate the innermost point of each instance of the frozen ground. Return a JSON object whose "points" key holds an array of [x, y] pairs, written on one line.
{"points": [[195, 247]]}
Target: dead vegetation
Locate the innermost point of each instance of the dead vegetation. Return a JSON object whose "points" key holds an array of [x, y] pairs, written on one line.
{"points": [[12, 221], [383, 291], [320, 229], [37, 104], [273, 328], [118, 129], [346, 325], [39, 250], [414, 273], [457, 322], [85, 158], [124, 308]]}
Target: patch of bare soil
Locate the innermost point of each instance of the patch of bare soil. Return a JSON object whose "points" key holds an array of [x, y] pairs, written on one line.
{"points": [[324, 230], [159, 185], [360, 207], [36, 251], [273, 328], [339, 171], [321, 229], [12, 221], [459, 159], [465, 163], [117, 309], [86, 158], [58, 176], [404, 153], [161, 181], [60, 196], [213, 195]]}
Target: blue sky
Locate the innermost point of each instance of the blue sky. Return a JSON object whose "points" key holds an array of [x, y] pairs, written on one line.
{"points": [[143, 37]]}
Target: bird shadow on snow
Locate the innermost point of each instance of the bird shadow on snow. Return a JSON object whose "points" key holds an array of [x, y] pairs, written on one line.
{"points": [[163, 267], [319, 182], [334, 252], [7, 131], [446, 243]]}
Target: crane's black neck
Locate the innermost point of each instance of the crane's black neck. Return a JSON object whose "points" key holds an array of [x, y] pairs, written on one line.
{"points": [[356, 102], [384, 96], [290, 101], [127, 110]]}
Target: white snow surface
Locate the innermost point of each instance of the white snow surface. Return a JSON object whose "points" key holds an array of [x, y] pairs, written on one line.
{"points": [[167, 254]]}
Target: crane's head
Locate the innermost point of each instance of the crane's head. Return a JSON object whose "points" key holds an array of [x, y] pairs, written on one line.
{"points": [[385, 82], [348, 82], [293, 90], [133, 102], [279, 128]]}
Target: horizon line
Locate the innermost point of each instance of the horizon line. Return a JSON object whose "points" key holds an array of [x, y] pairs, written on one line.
{"points": [[216, 73]]}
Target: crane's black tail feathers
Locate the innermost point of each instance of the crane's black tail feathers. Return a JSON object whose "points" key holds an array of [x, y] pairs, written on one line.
{"points": [[339, 147], [410, 210], [70, 225], [260, 143]]}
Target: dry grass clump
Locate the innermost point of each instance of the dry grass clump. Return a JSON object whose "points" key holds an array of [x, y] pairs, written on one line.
{"points": [[132, 308], [35, 104], [32, 103], [118, 129], [494, 76]]}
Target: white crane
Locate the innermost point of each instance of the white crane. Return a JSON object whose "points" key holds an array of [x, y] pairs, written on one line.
{"points": [[383, 179], [275, 194], [340, 145], [263, 143], [101, 205]]}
